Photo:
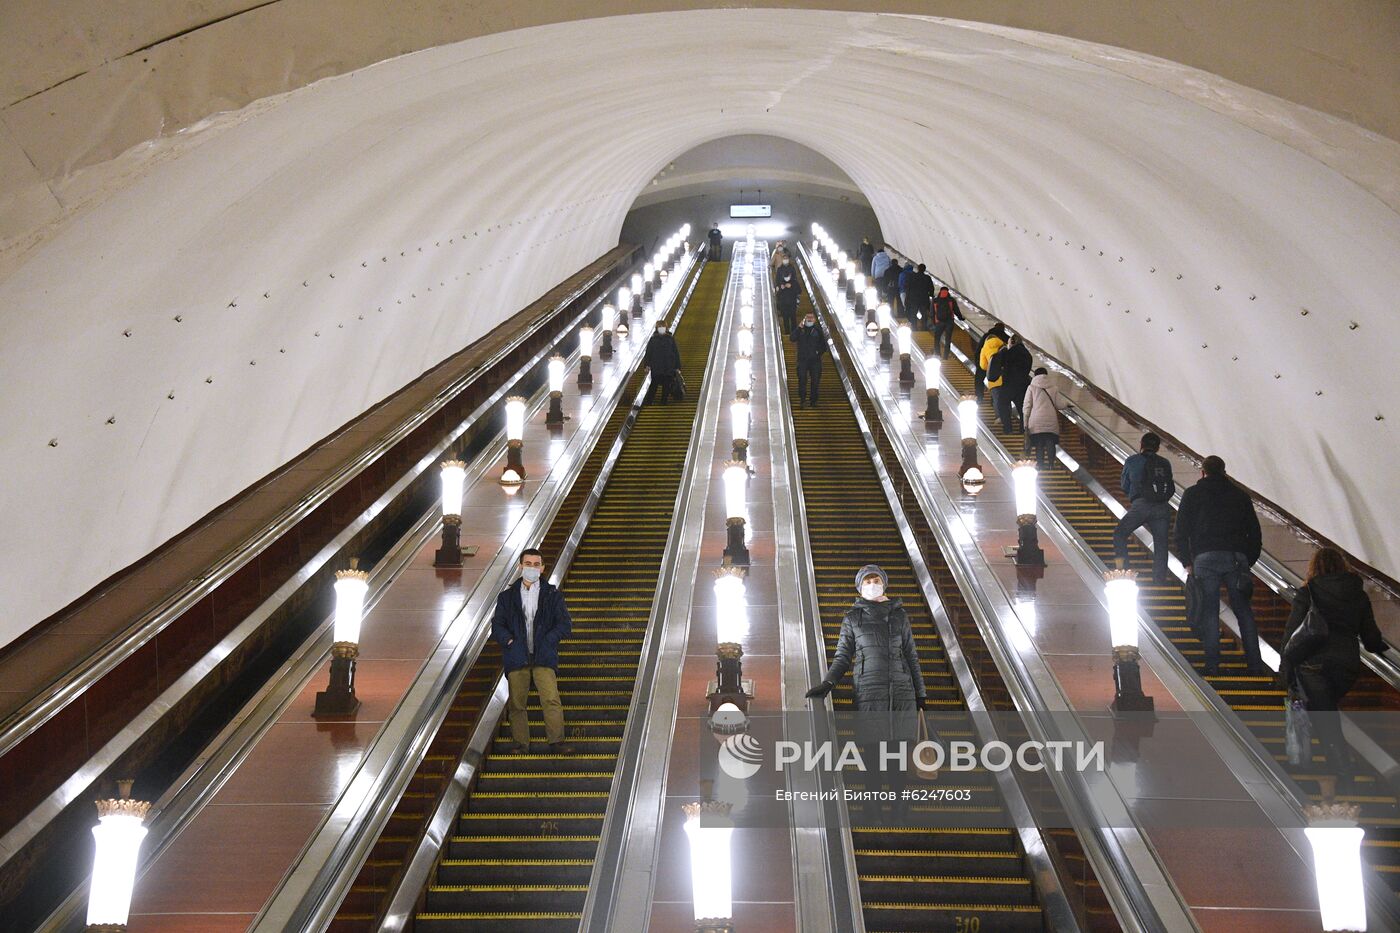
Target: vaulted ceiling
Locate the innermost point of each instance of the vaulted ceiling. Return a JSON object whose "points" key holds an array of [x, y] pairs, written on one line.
{"points": [[1219, 258]]}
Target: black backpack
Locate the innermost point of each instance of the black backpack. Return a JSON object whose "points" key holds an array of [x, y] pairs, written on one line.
{"points": [[996, 366], [1158, 476]]}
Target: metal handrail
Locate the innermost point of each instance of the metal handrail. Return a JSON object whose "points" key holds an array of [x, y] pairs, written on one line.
{"points": [[601, 902], [22, 722], [310, 894], [1118, 877]]}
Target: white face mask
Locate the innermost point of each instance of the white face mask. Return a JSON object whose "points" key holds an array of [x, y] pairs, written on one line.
{"points": [[872, 591], [531, 574]]}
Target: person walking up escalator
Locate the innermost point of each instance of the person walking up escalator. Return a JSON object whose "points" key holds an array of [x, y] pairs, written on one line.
{"points": [[716, 243]]}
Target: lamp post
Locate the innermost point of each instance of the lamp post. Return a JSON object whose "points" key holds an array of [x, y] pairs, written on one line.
{"points": [[970, 471], [872, 303], [556, 391], [743, 377], [906, 355], [933, 372], [731, 607], [118, 833], [1028, 551], [606, 325], [454, 478], [1336, 838], [1120, 586], [648, 281], [886, 318], [338, 699], [708, 828], [746, 314], [585, 356], [736, 477], [514, 472], [746, 342], [739, 416]]}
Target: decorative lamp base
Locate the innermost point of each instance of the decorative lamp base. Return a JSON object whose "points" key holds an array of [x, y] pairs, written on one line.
{"points": [[1127, 684], [933, 414], [450, 554], [338, 699], [1028, 550], [735, 553]]}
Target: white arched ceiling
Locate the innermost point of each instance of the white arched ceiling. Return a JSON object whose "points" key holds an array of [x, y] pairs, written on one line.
{"points": [[324, 248]]}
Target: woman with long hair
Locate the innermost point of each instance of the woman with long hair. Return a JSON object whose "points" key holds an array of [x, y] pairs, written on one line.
{"points": [[1328, 670]]}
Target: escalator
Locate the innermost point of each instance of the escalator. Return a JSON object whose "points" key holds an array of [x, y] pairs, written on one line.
{"points": [[1258, 700], [912, 877], [523, 849]]}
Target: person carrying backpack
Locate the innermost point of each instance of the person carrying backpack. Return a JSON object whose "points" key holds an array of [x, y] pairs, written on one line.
{"points": [[992, 363], [1147, 481], [1218, 537]]}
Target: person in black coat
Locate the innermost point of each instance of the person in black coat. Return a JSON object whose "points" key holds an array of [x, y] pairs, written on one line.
{"points": [[663, 358], [889, 285], [811, 344], [786, 293], [530, 621], [716, 244], [865, 255], [1218, 538], [918, 295], [945, 312], [1326, 673], [1016, 379]]}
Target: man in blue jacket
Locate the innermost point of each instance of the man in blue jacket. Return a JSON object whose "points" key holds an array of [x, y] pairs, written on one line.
{"points": [[1147, 481], [530, 621]]}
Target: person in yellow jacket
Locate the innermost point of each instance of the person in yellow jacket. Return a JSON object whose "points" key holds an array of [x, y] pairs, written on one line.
{"points": [[994, 342]]}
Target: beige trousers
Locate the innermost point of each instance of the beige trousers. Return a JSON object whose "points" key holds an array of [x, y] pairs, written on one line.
{"points": [[548, 689]]}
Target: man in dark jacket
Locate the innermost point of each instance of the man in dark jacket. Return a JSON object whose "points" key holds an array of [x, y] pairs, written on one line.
{"points": [[1217, 536], [1147, 482], [785, 294], [530, 621], [1015, 380], [663, 358], [716, 244], [945, 312], [865, 255], [919, 294], [889, 284], [811, 344]]}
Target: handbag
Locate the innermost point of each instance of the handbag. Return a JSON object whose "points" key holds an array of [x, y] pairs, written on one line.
{"points": [[678, 386], [1308, 637], [1297, 727], [924, 768]]}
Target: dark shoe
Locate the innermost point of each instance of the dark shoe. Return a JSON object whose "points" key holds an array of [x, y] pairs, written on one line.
{"points": [[516, 748], [801, 403], [1212, 670], [1259, 670], [1163, 581], [560, 748]]}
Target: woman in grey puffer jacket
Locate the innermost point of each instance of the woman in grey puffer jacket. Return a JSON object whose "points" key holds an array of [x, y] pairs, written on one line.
{"points": [[877, 640]]}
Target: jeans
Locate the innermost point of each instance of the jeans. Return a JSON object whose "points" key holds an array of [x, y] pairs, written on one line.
{"points": [[1157, 516], [1042, 447], [809, 374], [548, 688], [1324, 681], [943, 332], [1230, 568]]}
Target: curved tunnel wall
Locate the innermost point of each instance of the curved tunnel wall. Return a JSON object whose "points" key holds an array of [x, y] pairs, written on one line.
{"points": [[322, 249]]}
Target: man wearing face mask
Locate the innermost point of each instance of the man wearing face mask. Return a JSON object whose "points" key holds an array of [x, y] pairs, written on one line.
{"points": [[530, 621], [811, 344], [785, 290], [663, 358]]}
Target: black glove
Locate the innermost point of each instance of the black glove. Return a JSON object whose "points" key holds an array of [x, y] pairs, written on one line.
{"points": [[921, 703], [820, 690]]}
